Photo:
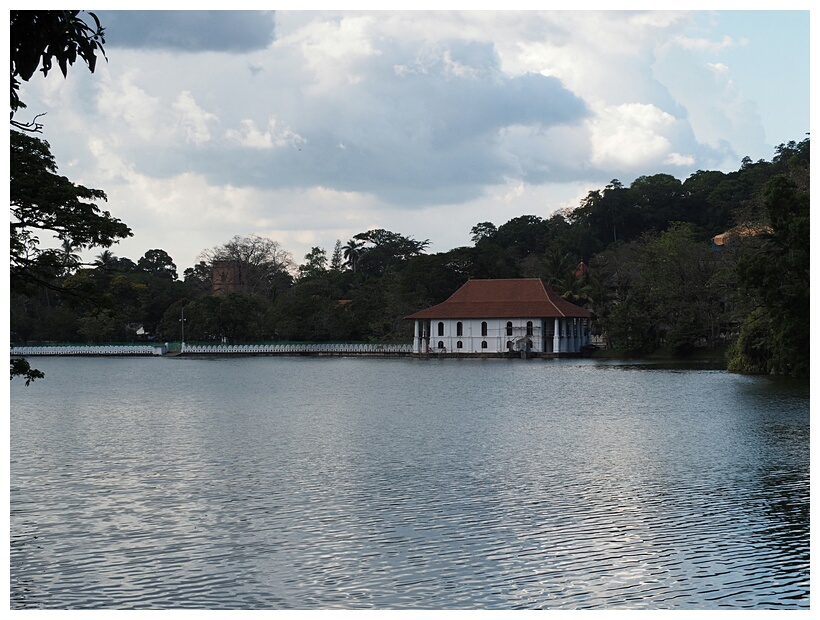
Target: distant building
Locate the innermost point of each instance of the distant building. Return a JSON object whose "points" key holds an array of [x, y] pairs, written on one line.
{"points": [[500, 316], [226, 277], [738, 232]]}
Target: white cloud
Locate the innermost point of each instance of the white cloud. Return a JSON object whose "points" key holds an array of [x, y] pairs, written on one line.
{"points": [[677, 159], [193, 119], [275, 135], [719, 114], [330, 49], [184, 214], [438, 59], [630, 136], [110, 166], [125, 105], [700, 44], [600, 55], [720, 70]]}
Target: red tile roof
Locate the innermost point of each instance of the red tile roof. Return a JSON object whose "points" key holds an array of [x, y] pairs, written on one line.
{"points": [[502, 299]]}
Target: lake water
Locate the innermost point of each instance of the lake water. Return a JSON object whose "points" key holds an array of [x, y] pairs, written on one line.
{"points": [[326, 483]]}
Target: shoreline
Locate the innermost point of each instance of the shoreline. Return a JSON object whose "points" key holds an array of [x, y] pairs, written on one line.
{"points": [[374, 350]]}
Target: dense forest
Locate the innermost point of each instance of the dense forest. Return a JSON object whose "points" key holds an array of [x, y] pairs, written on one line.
{"points": [[718, 260]]}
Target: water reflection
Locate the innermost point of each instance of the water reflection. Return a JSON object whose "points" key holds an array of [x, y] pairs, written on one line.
{"points": [[307, 483]]}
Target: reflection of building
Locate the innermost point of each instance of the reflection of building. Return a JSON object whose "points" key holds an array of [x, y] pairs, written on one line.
{"points": [[226, 277], [498, 316]]}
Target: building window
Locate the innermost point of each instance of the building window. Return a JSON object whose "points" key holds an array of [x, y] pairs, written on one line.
{"points": [[458, 344], [440, 328], [459, 329], [509, 328], [484, 343], [529, 328], [483, 328], [509, 345], [441, 344]]}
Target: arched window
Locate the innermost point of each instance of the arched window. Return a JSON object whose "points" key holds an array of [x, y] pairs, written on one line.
{"points": [[440, 328], [509, 345], [529, 328], [509, 328], [483, 328], [484, 343], [440, 344], [458, 344], [459, 329]]}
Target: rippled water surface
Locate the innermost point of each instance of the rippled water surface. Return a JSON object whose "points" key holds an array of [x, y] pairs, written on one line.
{"points": [[308, 483]]}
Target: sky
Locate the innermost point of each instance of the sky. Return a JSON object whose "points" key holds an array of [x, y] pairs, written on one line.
{"points": [[311, 126]]}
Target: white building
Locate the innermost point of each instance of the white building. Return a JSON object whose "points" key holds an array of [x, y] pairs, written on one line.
{"points": [[498, 316]]}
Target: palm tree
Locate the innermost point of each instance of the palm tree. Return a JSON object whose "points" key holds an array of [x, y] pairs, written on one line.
{"points": [[351, 253], [575, 289], [70, 260], [105, 259], [556, 265]]}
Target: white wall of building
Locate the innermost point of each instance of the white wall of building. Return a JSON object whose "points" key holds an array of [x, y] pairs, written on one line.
{"points": [[473, 334], [468, 335]]}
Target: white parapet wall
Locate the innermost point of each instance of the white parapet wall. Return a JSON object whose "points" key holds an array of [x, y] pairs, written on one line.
{"points": [[218, 349], [334, 348], [74, 349]]}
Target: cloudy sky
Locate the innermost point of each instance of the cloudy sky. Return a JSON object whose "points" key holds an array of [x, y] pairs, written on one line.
{"points": [[308, 127]]}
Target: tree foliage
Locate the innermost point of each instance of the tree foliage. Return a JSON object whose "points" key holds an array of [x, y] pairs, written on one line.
{"points": [[774, 273], [39, 39], [42, 201], [20, 367], [315, 264], [351, 253], [673, 298], [336, 257], [382, 250], [261, 264], [157, 262]]}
